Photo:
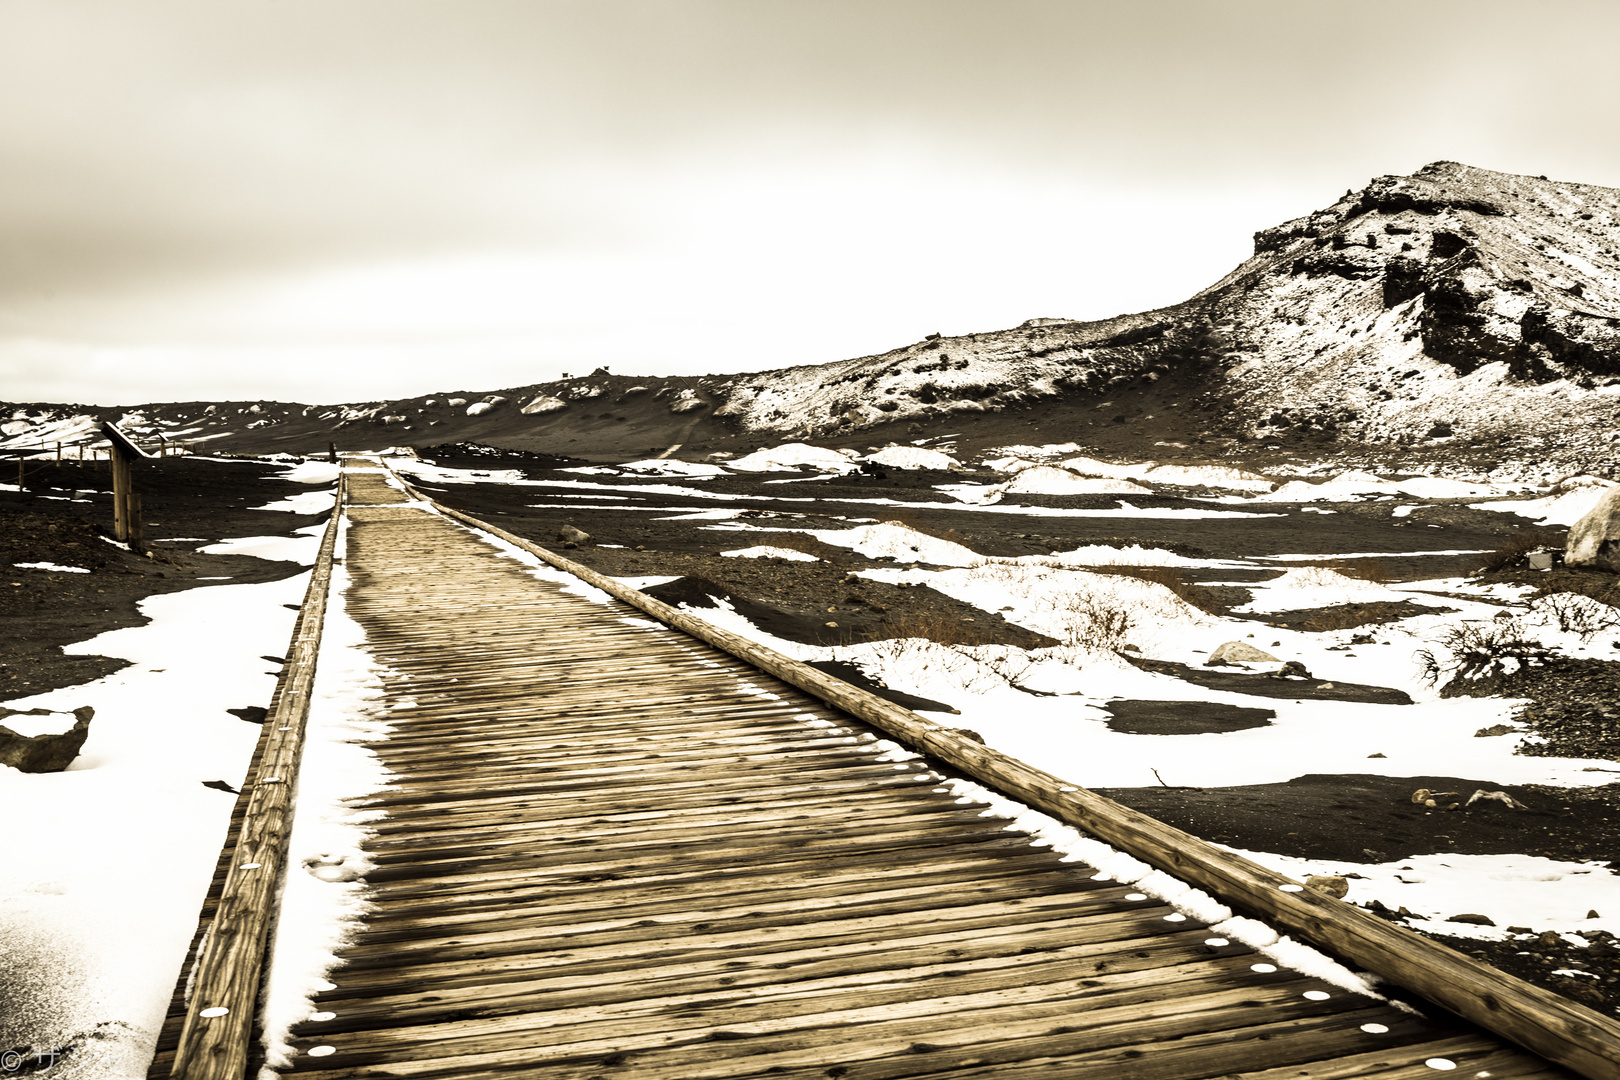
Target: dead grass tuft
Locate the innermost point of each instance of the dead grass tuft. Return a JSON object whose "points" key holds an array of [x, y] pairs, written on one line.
{"points": [[1171, 578], [1373, 570], [911, 519], [934, 626]]}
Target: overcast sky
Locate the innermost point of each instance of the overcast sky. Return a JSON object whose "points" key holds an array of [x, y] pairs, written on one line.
{"points": [[345, 200]]}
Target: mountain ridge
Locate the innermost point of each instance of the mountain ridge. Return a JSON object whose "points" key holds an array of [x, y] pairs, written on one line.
{"points": [[1455, 307]]}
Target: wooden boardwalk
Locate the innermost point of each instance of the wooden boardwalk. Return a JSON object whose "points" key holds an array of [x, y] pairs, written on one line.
{"points": [[613, 851]]}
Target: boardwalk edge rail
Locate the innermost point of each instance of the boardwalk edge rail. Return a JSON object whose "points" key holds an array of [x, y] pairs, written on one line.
{"points": [[1558, 1029], [223, 1001]]}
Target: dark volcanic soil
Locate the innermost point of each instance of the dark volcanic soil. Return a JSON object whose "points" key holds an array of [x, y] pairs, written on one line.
{"points": [[42, 610], [649, 528]]}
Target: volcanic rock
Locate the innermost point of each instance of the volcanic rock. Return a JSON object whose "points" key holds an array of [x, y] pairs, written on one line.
{"points": [[43, 753], [1239, 652]]}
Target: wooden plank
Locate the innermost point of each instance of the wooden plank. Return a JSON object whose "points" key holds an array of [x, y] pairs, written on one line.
{"points": [[1111, 1036], [707, 867], [1118, 945], [669, 989], [656, 1023]]}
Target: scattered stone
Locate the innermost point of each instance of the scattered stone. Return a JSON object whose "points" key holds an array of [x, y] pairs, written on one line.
{"points": [[1595, 539], [1472, 919], [1494, 729], [1330, 884], [253, 714], [1296, 670], [43, 753], [1238, 652], [570, 535], [350, 867], [220, 785], [1495, 796], [1591, 914]]}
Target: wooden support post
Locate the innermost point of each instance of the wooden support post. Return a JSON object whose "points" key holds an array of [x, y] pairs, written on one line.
{"points": [[59, 453], [127, 526], [120, 486], [331, 452], [137, 526]]}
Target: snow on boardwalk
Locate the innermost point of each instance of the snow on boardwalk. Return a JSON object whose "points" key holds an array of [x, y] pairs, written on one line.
{"points": [[610, 850]]}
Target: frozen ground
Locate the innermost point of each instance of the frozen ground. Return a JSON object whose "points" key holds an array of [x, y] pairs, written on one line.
{"points": [[1051, 705], [99, 917]]}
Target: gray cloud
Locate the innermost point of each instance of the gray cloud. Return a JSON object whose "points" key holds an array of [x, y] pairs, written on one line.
{"points": [[151, 150]]}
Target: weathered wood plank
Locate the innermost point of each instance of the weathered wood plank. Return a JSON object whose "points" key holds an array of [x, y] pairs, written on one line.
{"points": [[214, 1040]]}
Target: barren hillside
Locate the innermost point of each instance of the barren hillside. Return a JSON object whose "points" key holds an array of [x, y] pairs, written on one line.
{"points": [[1455, 311]]}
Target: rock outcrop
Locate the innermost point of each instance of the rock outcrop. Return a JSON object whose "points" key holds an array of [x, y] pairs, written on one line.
{"points": [[43, 753], [1595, 539]]}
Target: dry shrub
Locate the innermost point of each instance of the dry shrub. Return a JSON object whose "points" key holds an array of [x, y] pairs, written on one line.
{"points": [[1512, 550], [1093, 621], [1474, 650], [1584, 616], [1171, 578]]}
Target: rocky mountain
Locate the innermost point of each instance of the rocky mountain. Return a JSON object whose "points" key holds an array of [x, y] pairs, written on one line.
{"points": [[1454, 311]]}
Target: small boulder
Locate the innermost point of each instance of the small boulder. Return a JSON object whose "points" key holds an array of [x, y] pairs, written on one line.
{"points": [[1476, 920], [1595, 539], [570, 535], [43, 753], [1330, 884], [1239, 652]]}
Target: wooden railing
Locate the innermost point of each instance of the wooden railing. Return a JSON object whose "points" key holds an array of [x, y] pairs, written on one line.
{"points": [[223, 1003]]}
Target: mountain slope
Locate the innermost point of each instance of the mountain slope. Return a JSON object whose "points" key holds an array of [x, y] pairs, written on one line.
{"points": [[1456, 309]]}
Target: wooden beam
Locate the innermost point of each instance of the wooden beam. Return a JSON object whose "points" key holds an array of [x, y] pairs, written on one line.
{"points": [[1550, 1025], [214, 1042]]}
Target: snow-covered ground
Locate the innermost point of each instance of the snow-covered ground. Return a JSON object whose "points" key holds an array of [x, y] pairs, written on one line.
{"points": [[1048, 706], [110, 859], [109, 872]]}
